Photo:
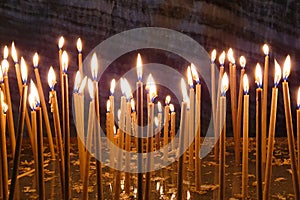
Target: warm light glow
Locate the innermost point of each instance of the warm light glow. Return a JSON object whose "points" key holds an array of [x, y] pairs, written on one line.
{"points": [[139, 67], [79, 45], [156, 121], [82, 85], [161, 190], [213, 56], [168, 100], [277, 75], [298, 99], [94, 66], [35, 60], [258, 75], [14, 54], [195, 73], [31, 101], [5, 66], [108, 105], [173, 197], [91, 88], [1, 76], [242, 61], [266, 49], [246, 84], [159, 107], [184, 92], [126, 89], [172, 108], [188, 195], [222, 58], [224, 84], [5, 52], [24, 70], [34, 92], [230, 56], [149, 82], [189, 77], [115, 130], [119, 114], [61, 42], [132, 102], [51, 78], [157, 186], [4, 107], [286, 67], [152, 92], [112, 86], [77, 81], [1, 96], [65, 61]]}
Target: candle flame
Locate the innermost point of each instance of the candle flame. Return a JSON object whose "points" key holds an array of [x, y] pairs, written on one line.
{"points": [[152, 92], [172, 108], [91, 88], [1, 75], [173, 197], [156, 121], [14, 54], [149, 82], [24, 70], [246, 84], [79, 45], [242, 61], [82, 85], [65, 61], [230, 56], [34, 92], [266, 49], [77, 81], [132, 103], [277, 75], [189, 77], [51, 78], [157, 186], [224, 84], [139, 67], [119, 114], [115, 130], [61, 42], [298, 99], [222, 58], [126, 89], [168, 100], [31, 101], [5, 52], [184, 92], [5, 66], [35, 59], [161, 190], [108, 105], [94, 66], [4, 107], [258, 75], [188, 195], [112, 86], [286, 67], [159, 107], [195, 73], [213, 56]]}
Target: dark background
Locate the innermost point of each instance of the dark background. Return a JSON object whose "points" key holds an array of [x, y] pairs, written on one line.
{"points": [[35, 25]]}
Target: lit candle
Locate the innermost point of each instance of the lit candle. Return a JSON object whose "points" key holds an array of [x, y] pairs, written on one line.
{"points": [[20, 130], [181, 140], [289, 125], [159, 118], [173, 121], [213, 84], [79, 49], [112, 103], [61, 43], [298, 129], [134, 122], [223, 89], [43, 103], [166, 127], [57, 127], [108, 119], [271, 140], [245, 85], [258, 80]]}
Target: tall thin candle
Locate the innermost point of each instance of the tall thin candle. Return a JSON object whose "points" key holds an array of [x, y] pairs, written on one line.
{"points": [[159, 117], [79, 49], [298, 129], [166, 127]]}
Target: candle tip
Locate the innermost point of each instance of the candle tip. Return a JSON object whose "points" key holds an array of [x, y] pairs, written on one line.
{"points": [[4, 67], [246, 84], [139, 67], [35, 60], [91, 89], [4, 107], [159, 107], [112, 86], [195, 73], [24, 70], [168, 100], [258, 75], [266, 49], [65, 61], [298, 99], [79, 45], [286, 67], [213, 56], [230, 56], [132, 103], [61, 42], [242, 61], [94, 66], [5, 52], [51, 78], [35, 94], [222, 58], [14, 54], [77, 82], [172, 108], [224, 84]]}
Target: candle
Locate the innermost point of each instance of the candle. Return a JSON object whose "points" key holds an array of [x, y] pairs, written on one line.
{"points": [[245, 85], [20, 131], [173, 121], [298, 129], [134, 122], [223, 89], [159, 118], [166, 127], [213, 83], [181, 140], [271, 141], [265, 105], [79, 49], [139, 97], [289, 125], [61, 42], [258, 80], [112, 104], [11, 127], [57, 127], [108, 119], [43, 104]]}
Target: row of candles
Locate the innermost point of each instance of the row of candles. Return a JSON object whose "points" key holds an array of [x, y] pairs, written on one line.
{"points": [[189, 123]]}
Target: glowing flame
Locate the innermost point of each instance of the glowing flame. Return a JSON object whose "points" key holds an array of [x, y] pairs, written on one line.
{"points": [[112, 86], [14, 54], [51, 78], [77, 81], [5, 66], [287, 67], [173, 197], [230, 56], [258, 75], [222, 58], [242, 61], [195, 73], [5, 53], [65, 61], [184, 92], [4, 107], [79, 45], [298, 99], [172, 108], [61, 42], [108, 105], [35, 60], [159, 107], [132, 102], [168, 100], [188, 195], [94, 66], [266, 49], [161, 190], [149, 82], [213, 56], [277, 75], [126, 89], [31, 101], [24, 70], [139, 67], [156, 121], [34, 92], [157, 186], [82, 85], [115, 130], [1, 76], [246, 84], [152, 92], [119, 114], [91, 88], [189, 77], [224, 84]]}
